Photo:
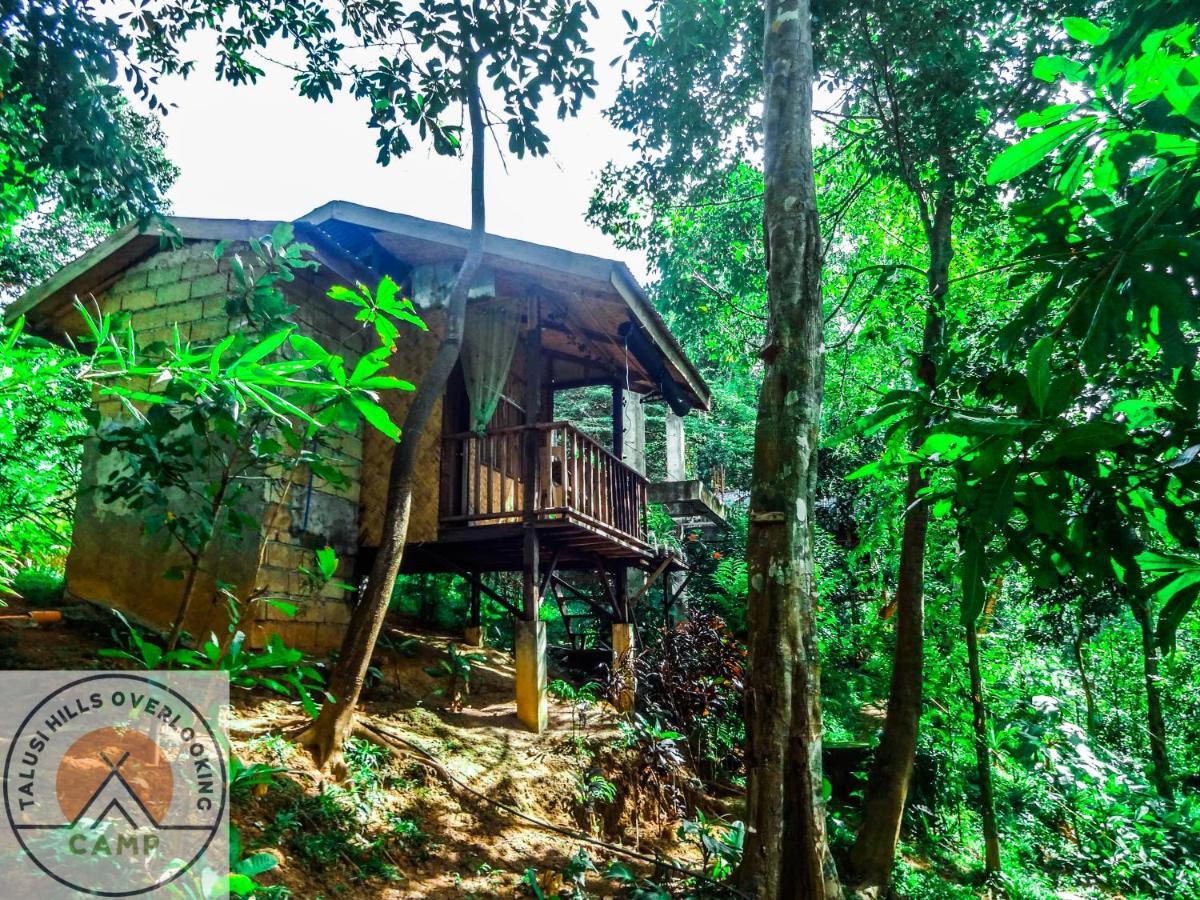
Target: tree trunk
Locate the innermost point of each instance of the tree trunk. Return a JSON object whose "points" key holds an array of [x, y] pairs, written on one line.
{"points": [[786, 854], [1085, 680], [874, 851], [983, 762], [189, 582], [1161, 774], [329, 732], [185, 603]]}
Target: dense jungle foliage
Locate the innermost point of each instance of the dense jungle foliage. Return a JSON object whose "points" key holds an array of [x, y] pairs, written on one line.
{"points": [[1009, 200]]}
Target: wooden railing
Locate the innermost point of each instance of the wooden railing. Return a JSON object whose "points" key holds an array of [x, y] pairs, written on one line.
{"points": [[484, 479]]}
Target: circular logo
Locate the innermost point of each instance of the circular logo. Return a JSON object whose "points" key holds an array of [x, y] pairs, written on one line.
{"points": [[115, 784]]}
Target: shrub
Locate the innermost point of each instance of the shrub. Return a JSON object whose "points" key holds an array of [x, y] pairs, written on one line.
{"points": [[39, 585], [690, 678]]}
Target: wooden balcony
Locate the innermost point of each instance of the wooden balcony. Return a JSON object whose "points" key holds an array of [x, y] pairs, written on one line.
{"points": [[584, 502]]}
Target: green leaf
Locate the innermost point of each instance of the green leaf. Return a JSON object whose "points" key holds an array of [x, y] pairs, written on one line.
{"points": [[1047, 116], [240, 885], [1083, 30], [369, 364], [972, 572], [327, 562], [995, 496], [1183, 592], [385, 383], [1020, 158], [1038, 372], [619, 872], [377, 417], [343, 294], [1048, 68], [256, 864], [262, 349], [282, 234], [1086, 438], [17, 327], [309, 347], [288, 609], [214, 362]]}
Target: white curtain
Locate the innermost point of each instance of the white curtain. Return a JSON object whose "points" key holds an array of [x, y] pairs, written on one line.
{"points": [[489, 339]]}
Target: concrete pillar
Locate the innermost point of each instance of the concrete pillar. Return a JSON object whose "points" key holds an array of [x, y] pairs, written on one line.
{"points": [[633, 437], [473, 636], [676, 466], [530, 640], [624, 648]]}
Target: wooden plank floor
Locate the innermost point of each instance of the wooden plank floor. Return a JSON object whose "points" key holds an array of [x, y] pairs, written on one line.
{"points": [[576, 541]]}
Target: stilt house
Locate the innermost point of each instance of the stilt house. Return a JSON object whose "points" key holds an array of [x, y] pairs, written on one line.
{"points": [[559, 508]]}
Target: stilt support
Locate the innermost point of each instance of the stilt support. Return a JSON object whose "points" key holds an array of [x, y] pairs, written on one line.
{"points": [[530, 639], [473, 633], [624, 652]]}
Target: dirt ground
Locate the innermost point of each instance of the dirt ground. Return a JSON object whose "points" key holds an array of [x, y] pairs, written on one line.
{"points": [[467, 847]]}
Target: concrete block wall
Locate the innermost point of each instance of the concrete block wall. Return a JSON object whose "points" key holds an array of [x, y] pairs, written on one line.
{"points": [[186, 288]]}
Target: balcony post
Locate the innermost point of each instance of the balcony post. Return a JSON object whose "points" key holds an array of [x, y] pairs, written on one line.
{"points": [[530, 632]]}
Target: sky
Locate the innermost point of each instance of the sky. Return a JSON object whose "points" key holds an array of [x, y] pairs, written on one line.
{"points": [[262, 152]]}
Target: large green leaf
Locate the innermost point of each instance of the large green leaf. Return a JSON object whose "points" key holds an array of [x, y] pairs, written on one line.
{"points": [[1086, 438], [377, 417], [972, 574], [1083, 30], [1037, 372], [1021, 157]]}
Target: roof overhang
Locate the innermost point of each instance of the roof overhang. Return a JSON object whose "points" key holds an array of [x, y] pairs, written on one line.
{"points": [[403, 236]]}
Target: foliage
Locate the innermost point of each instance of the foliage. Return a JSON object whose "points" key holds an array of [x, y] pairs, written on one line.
{"points": [[244, 779], [276, 667], [409, 70], [690, 677], [720, 843], [657, 763], [66, 131], [455, 667], [593, 790], [245, 867], [39, 585], [581, 698], [1060, 443], [43, 394]]}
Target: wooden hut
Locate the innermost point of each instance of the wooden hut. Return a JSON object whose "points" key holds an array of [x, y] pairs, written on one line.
{"points": [[555, 506]]}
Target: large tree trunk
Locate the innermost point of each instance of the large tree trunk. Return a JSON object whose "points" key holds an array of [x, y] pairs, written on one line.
{"points": [[983, 762], [874, 851], [1161, 774], [786, 854], [328, 733]]}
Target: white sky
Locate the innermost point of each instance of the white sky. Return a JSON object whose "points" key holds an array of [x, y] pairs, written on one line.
{"points": [[262, 152]]}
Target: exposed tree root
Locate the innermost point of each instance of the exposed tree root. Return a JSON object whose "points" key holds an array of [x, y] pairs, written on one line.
{"points": [[409, 751]]}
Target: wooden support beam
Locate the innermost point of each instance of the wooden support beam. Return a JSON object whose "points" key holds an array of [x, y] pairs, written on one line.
{"points": [[620, 577], [451, 566], [618, 419], [476, 599], [549, 573], [655, 575], [609, 594], [600, 611], [530, 597]]}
